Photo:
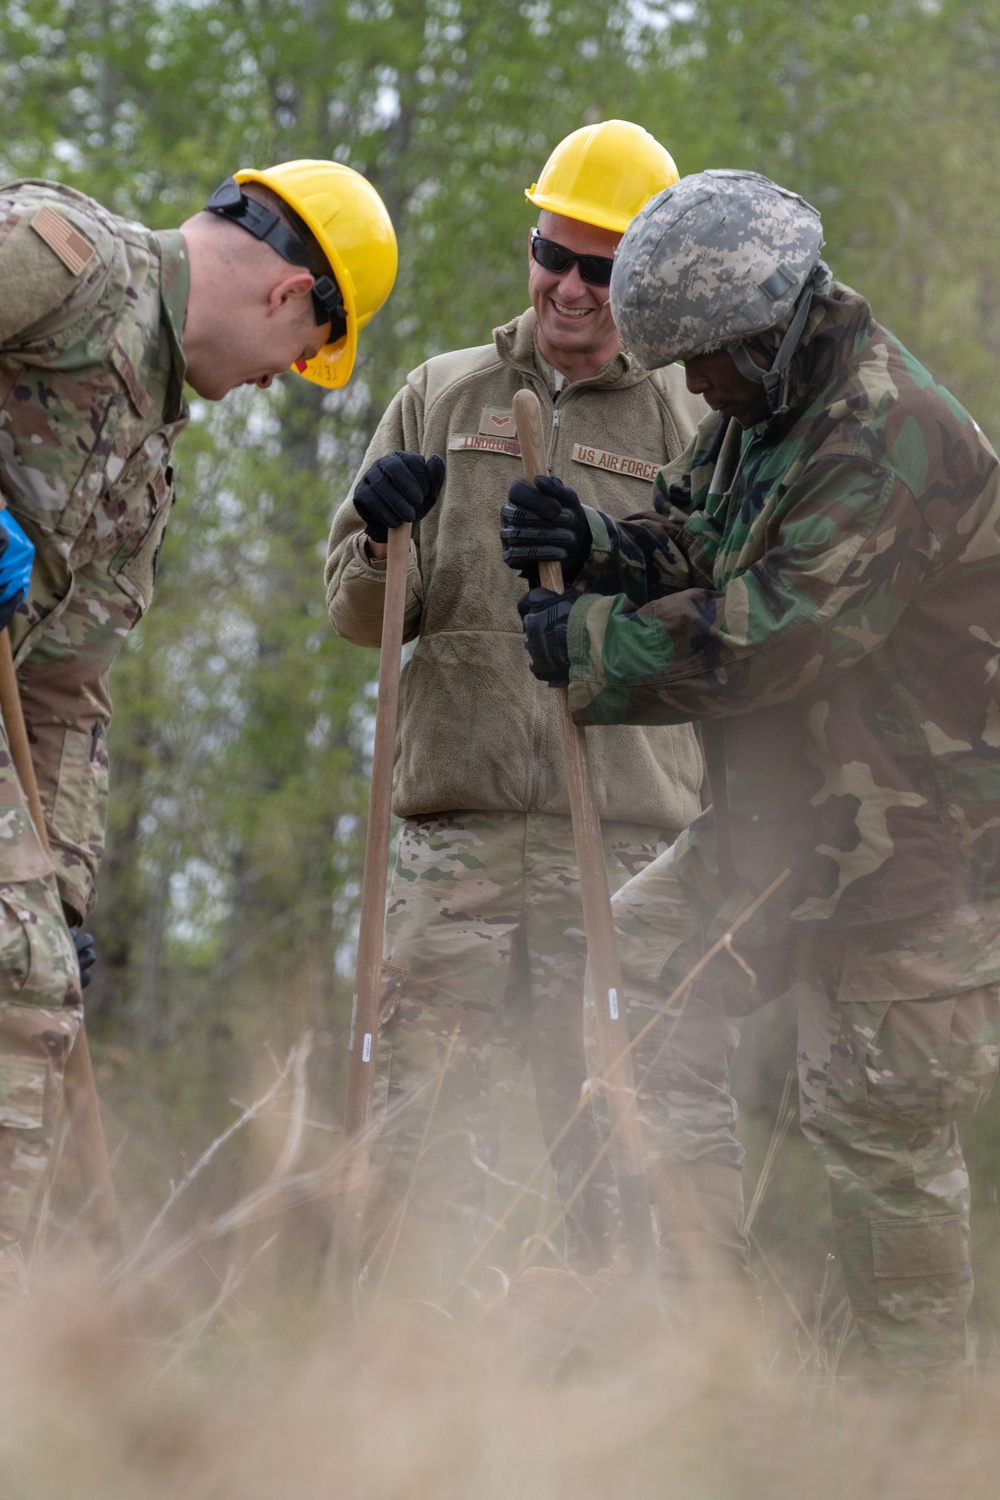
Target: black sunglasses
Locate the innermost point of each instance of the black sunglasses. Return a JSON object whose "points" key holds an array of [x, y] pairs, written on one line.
{"points": [[551, 256]]}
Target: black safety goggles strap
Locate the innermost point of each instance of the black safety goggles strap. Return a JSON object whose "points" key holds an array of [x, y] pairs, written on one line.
{"points": [[231, 203]]}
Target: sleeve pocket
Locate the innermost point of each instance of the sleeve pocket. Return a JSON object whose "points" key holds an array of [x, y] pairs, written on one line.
{"points": [[134, 565], [82, 789]]}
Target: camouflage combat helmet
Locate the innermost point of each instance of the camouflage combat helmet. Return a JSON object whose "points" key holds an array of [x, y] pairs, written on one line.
{"points": [[714, 260]]}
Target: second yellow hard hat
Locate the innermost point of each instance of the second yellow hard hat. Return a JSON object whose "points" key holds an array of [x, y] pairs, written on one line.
{"points": [[604, 174]]}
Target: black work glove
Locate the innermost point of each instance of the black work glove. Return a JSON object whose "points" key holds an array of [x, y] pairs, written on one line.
{"points": [[544, 522], [398, 487], [86, 955], [544, 616]]}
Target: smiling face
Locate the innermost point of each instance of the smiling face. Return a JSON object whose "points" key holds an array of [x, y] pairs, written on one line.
{"points": [[576, 333]]}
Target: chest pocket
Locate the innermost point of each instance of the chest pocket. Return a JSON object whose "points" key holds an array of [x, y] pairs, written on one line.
{"points": [[146, 491]]}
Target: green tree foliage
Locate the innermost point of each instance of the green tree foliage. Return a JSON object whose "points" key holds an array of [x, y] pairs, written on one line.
{"points": [[879, 114]]}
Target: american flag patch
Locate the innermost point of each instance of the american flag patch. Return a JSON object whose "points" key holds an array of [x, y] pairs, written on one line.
{"points": [[73, 250]]}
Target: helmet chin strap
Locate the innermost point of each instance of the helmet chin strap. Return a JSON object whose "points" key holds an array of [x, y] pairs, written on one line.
{"points": [[775, 380]]}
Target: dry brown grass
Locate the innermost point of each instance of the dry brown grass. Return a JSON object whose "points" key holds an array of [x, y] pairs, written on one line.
{"points": [[306, 1402], [211, 1364]]}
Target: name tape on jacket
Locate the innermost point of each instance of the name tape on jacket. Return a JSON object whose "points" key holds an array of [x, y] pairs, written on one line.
{"points": [[616, 463], [486, 444], [598, 458]]}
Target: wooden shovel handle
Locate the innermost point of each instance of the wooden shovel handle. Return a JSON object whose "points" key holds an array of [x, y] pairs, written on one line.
{"points": [[598, 921], [371, 934]]}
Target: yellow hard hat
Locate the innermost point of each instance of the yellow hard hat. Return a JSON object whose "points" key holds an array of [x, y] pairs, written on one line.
{"points": [[604, 174], [352, 225]]}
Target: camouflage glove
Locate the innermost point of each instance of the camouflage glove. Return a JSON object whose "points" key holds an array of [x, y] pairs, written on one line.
{"points": [[544, 616], [86, 955], [16, 556], [398, 487], [544, 523]]}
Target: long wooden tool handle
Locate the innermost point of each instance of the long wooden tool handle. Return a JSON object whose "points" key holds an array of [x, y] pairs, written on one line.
{"points": [[79, 1084], [602, 948], [364, 1024]]}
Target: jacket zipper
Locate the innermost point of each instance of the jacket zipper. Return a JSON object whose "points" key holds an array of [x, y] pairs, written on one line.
{"points": [[556, 416]]}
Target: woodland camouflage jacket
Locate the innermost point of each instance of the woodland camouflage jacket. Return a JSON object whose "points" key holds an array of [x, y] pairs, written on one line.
{"points": [[835, 602], [91, 398]]}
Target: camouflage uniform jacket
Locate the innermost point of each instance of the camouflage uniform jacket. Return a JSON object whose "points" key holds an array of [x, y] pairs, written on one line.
{"points": [[91, 399], [835, 603], [477, 732]]}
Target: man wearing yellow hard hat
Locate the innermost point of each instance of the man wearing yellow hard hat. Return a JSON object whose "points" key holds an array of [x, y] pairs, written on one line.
{"points": [[101, 324], [484, 961]]}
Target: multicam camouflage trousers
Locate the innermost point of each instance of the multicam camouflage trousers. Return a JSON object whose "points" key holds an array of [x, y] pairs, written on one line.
{"points": [[484, 972], [684, 1045], [882, 1086], [40, 1014]]}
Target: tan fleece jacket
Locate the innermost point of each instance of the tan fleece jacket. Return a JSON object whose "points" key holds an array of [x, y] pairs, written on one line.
{"points": [[476, 730]]}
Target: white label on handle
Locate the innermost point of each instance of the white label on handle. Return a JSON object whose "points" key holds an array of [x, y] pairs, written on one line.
{"points": [[366, 1050], [613, 1004]]}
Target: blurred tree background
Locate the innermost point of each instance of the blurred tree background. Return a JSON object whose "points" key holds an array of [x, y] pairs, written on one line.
{"points": [[242, 726]]}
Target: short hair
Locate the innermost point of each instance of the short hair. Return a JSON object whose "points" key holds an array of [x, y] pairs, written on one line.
{"points": [[266, 196]]}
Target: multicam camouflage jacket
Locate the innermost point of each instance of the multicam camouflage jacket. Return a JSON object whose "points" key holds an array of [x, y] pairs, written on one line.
{"points": [[91, 399], [834, 602]]}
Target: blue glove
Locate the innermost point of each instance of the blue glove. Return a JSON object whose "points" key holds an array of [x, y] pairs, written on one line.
{"points": [[16, 556]]}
